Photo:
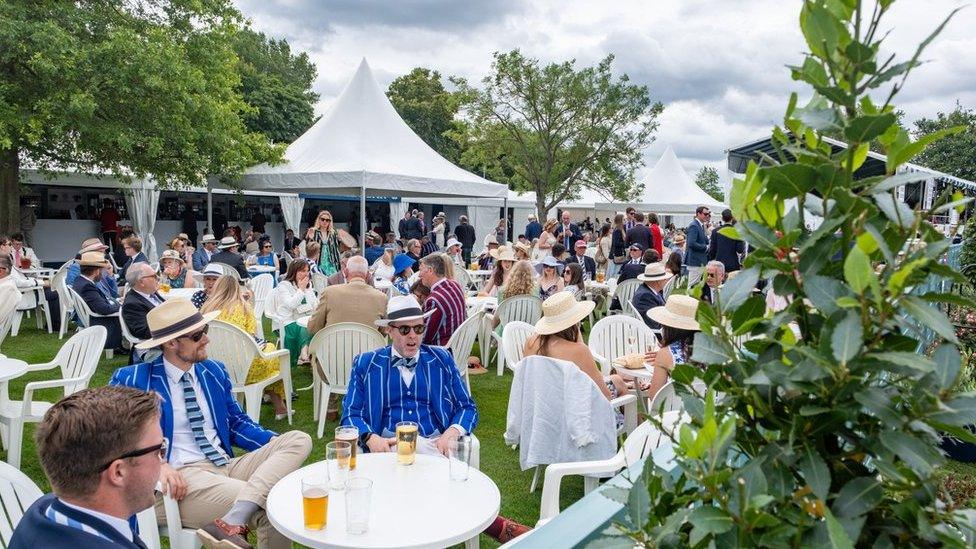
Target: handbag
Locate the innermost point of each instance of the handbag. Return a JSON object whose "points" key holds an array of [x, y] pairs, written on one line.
{"points": [[599, 256]]}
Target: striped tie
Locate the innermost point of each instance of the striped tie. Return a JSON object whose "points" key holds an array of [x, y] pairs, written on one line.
{"points": [[195, 417]]}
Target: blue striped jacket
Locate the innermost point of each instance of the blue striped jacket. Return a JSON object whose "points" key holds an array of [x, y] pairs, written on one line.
{"points": [[234, 427], [436, 398]]}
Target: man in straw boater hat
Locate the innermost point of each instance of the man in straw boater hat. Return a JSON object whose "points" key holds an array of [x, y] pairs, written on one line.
{"points": [[208, 248], [218, 493], [92, 267], [650, 294], [107, 284], [228, 255]]}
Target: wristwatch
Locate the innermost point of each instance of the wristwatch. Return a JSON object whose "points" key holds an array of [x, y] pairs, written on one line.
{"points": [[364, 438]]}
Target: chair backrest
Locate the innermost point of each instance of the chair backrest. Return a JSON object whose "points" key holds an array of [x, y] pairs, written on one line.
{"points": [[149, 528], [270, 310], [525, 308], [514, 336], [17, 493], [665, 400], [80, 307], [334, 347], [60, 285], [463, 278], [647, 437], [234, 347], [261, 287], [618, 335], [78, 357], [670, 285], [462, 340], [319, 282], [625, 291], [8, 309], [125, 331], [288, 259]]}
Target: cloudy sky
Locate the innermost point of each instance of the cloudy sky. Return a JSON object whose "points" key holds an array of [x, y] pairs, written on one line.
{"points": [[718, 65]]}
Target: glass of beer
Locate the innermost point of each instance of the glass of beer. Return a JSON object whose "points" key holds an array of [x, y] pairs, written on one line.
{"points": [[600, 276], [474, 265], [406, 437], [315, 502], [357, 505], [164, 286], [349, 434], [337, 457]]}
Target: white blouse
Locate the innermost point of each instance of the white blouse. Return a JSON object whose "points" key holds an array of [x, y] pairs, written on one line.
{"points": [[288, 299]]}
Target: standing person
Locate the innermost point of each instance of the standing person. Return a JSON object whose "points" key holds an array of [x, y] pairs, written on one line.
{"points": [[533, 229], [587, 263], [257, 222], [202, 257], [414, 252], [219, 222], [629, 222], [604, 243], [189, 224], [438, 233], [651, 293], [291, 241], [202, 420], [567, 233], [724, 249], [696, 250], [422, 223], [618, 246], [414, 227], [639, 233], [325, 234], [228, 255], [102, 450], [402, 225], [109, 219], [657, 237], [501, 232], [465, 234], [446, 303], [548, 237]]}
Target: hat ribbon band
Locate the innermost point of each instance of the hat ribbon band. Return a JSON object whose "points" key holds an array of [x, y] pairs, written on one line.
{"points": [[405, 313], [177, 326]]}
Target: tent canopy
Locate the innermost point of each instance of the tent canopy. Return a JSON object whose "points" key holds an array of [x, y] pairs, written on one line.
{"points": [[363, 143], [669, 189]]}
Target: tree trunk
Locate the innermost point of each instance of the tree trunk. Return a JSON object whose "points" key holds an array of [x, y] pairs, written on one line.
{"points": [[10, 191], [540, 208]]}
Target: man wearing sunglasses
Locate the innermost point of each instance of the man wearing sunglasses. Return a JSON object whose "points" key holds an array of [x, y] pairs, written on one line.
{"points": [[696, 248], [102, 450], [218, 493], [407, 381]]}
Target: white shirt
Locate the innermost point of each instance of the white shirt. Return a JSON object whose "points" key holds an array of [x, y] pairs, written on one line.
{"points": [[185, 449], [115, 522]]}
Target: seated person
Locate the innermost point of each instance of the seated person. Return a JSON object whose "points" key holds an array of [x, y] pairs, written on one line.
{"points": [[382, 268], [23, 256], [403, 270], [132, 247], [558, 251], [354, 301], [202, 420], [96, 492], [295, 298], [201, 257], [28, 299], [650, 294], [106, 284], [714, 278], [414, 252], [211, 273], [387, 386], [550, 276], [374, 247], [228, 255], [173, 271], [585, 261], [93, 266], [266, 256], [141, 297], [453, 249], [573, 281], [504, 259], [486, 261], [678, 329]]}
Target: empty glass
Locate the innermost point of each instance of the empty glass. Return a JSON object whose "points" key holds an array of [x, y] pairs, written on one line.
{"points": [[358, 491], [337, 456], [459, 452]]}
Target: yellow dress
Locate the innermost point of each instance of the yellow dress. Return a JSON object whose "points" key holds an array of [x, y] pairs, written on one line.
{"points": [[260, 368]]}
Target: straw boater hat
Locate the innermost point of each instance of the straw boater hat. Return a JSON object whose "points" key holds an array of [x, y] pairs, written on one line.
{"points": [[175, 317], [562, 311], [503, 253], [678, 312], [401, 308], [92, 245], [208, 238], [654, 272], [93, 259], [171, 254], [549, 261], [227, 242]]}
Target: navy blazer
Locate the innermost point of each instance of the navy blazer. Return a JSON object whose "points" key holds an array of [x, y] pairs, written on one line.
{"points": [[696, 248], [235, 260], [724, 249], [201, 257], [138, 258], [576, 235], [97, 301], [134, 311], [234, 427], [533, 230], [589, 265], [413, 229], [35, 530], [644, 300]]}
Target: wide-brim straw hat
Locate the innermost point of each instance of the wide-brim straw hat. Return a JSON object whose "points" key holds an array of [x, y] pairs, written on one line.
{"points": [[93, 259], [678, 312], [175, 317], [524, 247], [171, 254], [562, 311], [503, 253], [654, 272], [549, 261], [92, 245], [401, 308], [227, 242]]}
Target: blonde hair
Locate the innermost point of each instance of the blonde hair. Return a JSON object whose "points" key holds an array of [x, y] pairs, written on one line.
{"points": [[312, 249], [225, 297], [550, 223], [521, 280], [331, 225], [174, 242], [448, 265]]}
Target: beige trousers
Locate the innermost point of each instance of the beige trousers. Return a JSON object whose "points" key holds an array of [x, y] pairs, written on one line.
{"points": [[212, 490]]}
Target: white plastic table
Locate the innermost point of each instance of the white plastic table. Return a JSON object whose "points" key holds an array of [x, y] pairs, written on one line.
{"points": [[480, 273], [11, 368], [38, 272], [647, 372], [185, 293], [411, 506], [260, 269], [477, 303]]}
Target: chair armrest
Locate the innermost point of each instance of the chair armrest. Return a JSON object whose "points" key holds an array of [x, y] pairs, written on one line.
{"points": [[273, 354], [603, 362], [549, 506], [115, 314], [623, 400], [629, 404], [41, 367], [39, 385]]}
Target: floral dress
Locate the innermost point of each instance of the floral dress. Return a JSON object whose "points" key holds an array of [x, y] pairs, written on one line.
{"points": [[260, 368], [329, 256], [401, 285]]}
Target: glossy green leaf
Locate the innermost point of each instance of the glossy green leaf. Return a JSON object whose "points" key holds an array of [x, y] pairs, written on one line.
{"points": [[735, 291], [846, 339], [711, 519], [857, 497], [857, 270], [815, 472], [791, 180], [836, 534], [865, 128], [920, 455], [929, 317]]}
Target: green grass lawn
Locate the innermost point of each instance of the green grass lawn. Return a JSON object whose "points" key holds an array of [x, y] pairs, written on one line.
{"points": [[498, 461]]}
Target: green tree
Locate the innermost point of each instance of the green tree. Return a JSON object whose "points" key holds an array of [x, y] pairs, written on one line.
{"points": [[707, 180], [828, 427], [278, 84], [956, 154], [556, 129], [428, 108], [142, 89]]}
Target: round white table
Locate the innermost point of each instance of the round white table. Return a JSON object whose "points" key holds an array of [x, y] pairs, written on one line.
{"points": [[260, 269], [480, 273], [382, 284], [410, 505], [478, 303], [647, 372], [185, 293], [11, 368]]}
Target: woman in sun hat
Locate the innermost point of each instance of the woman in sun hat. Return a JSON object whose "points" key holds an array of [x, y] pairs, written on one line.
{"points": [[402, 271], [504, 259], [523, 251], [678, 329], [550, 276], [173, 271], [557, 335]]}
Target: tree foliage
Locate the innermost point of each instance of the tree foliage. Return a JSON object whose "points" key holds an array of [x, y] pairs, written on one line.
{"points": [[707, 180], [819, 424], [557, 129], [145, 88], [277, 84], [429, 109], [956, 154]]}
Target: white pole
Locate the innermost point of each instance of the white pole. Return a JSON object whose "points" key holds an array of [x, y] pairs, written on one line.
{"points": [[505, 209], [362, 216], [210, 226]]}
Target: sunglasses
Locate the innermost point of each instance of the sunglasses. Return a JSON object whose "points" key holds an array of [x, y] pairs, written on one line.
{"points": [[418, 329], [266, 247], [196, 336], [160, 449], [325, 219]]}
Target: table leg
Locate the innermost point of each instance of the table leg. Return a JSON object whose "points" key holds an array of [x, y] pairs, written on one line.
{"points": [[473, 543]]}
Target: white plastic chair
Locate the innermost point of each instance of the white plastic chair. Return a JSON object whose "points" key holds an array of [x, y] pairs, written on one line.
{"points": [[665, 400], [639, 444], [86, 314], [65, 301], [524, 308], [462, 341], [514, 336], [77, 358], [179, 537], [618, 335], [631, 311], [463, 277], [17, 493], [236, 349], [228, 270], [270, 311], [261, 287], [7, 311], [333, 349], [32, 299], [624, 292]]}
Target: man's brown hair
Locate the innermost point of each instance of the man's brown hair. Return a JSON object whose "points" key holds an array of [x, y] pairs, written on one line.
{"points": [[84, 431], [133, 242]]}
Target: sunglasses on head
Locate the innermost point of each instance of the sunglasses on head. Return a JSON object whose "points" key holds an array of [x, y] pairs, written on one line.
{"points": [[197, 335], [404, 330]]}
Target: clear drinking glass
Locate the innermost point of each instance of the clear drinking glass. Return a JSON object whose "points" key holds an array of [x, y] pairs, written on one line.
{"points": [[315, 501], [459, 453], [349, 434], [337, 457], [358, 492], [406, 437]]}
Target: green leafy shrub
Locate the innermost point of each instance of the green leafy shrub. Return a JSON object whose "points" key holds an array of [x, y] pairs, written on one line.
{"points": [[829, 437]]}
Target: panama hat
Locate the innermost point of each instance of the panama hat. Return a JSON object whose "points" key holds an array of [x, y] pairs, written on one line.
{"points": [[679, 238], [92, 245], [227, 242], [678, 312], [401, 308], [93, 259], [175, 317], [401, 262], [212, 270], [171, 254], [562, 311], [452, 242], [550, 261], [654, 272], [208, 238], [503, 253]]}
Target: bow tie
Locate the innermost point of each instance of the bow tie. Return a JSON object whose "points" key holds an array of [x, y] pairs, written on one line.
{"points": [[409, 363]]}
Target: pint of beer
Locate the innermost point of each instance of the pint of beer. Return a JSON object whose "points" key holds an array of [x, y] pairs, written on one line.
{"points": [[164, 287], [406, 436], [351, 435], [600, 276], [474, 265], [315, 502]]}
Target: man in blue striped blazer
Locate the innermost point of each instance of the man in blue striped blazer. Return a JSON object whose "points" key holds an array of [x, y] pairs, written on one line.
{"points": [[407, 381], [218, 493]]}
